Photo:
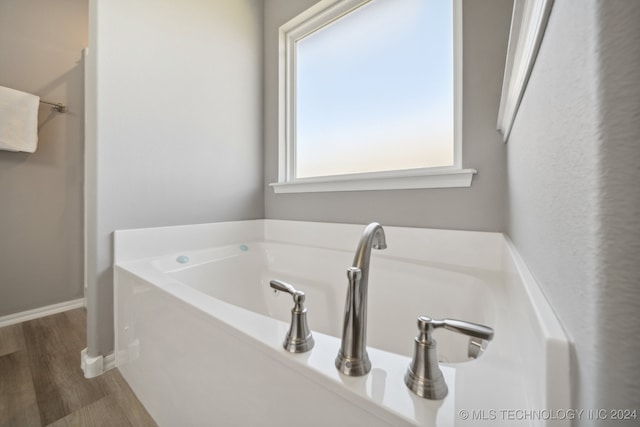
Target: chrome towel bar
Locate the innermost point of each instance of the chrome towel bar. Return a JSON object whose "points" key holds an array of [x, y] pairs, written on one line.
{"points": [[60, 108]]}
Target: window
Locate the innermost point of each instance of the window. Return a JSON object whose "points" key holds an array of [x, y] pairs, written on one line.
{"points": [[369, 97]]}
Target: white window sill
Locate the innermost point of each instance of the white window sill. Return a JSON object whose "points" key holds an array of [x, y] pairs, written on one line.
{"points": [[379, 181]]}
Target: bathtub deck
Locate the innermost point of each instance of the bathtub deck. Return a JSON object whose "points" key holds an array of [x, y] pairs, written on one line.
{"points": [[41, 383]]}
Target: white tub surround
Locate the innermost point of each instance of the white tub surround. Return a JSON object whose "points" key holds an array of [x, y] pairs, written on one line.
{"points": [[199, 332]]}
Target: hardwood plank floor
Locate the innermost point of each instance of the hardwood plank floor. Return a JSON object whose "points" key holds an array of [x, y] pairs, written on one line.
{"points": [[41, 383], [18, 402], [11, 339]]}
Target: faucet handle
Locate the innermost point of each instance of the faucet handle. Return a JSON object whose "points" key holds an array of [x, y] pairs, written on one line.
{"points": [[423, 376], [299, 338], [426, 325], [298, 296]]}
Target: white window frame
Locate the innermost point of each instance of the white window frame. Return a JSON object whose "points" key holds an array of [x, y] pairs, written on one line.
{"points": [[528, 24], [314, 18]]}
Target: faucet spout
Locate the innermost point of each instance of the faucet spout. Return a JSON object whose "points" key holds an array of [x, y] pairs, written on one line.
{"points": [[352, 358]]}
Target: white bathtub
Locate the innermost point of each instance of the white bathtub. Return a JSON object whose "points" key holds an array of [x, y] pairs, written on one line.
{"points": [[199, 331]]}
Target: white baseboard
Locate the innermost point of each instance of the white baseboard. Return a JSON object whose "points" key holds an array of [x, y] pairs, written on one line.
{"points": [[36, 313], [92, 366], [95, 366], [109, 361]]}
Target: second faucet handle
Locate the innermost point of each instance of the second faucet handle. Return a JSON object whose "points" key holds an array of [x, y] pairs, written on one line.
{"points": [[299, 338], [426, 325], [424, 376]]}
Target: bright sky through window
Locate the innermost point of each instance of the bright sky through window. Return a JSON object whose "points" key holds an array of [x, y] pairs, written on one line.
{"points": [[374, 90]]}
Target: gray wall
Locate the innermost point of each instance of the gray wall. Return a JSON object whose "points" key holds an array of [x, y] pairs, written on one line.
{"points": [[41, 224], [574, 206], [175, 135], [480, 207]]}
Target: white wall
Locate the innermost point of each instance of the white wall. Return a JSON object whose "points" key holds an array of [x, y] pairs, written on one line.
{"points": [[41, 225], [481, 207], [176, 137], [574, 207]]}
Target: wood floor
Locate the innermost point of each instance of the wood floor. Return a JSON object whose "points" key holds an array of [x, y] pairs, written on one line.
{"points": [[41, 383]]}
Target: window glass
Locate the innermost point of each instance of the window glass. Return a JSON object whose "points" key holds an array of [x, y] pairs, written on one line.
{"points": [[374, 90]]}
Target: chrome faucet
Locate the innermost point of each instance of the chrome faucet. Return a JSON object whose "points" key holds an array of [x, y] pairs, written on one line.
{"points": [[353, 359]]}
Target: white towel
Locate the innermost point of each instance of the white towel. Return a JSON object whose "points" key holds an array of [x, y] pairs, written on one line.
{"points": [[18, 120]]}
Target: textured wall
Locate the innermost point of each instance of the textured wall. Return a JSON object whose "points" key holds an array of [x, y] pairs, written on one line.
{"points": [[41, 224], [618, 233], [573, 200], [480, 207], [177, 132]]}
